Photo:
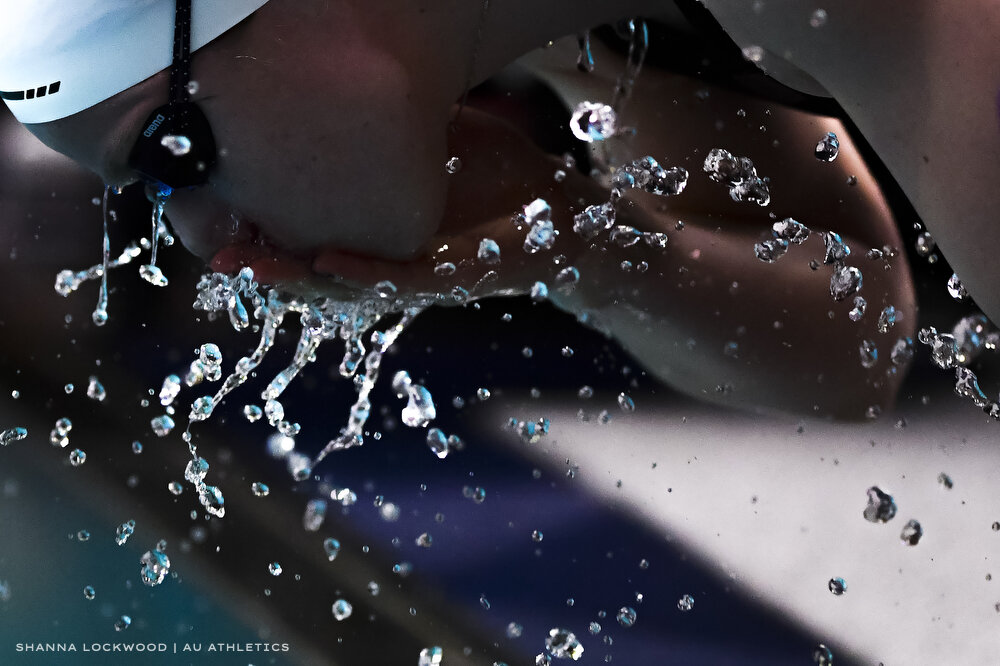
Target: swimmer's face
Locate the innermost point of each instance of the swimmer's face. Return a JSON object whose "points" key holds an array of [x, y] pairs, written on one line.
{"points": [[327, 139]]}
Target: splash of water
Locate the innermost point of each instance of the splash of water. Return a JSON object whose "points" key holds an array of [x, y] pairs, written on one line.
{"points": [[68, 281]]}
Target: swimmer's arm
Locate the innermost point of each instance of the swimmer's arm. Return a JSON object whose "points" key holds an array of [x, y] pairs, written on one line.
{"points": [[711, 320], [810, 360], [921, 81]]}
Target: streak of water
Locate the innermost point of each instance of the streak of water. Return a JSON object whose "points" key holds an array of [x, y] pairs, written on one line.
{"points": [[150, 272], [100, 314]]}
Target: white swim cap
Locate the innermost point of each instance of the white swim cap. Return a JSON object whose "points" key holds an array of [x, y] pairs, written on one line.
{"points": [[58, 57]]}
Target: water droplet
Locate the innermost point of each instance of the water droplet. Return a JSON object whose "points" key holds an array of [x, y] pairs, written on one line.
{"points": [[453, 165], [818, 18], [178, 145], [655, 239], [89, 593], [431, 656], [771, 250], [385, 289], [537, 536], [625, 236], [314, 515], [944, 348], [170, 389], [201, 408], [175, 488], [827, 148], [971, 335], [342, 609], [212, 499], [419, 410], [153, 275], [539, 291], [83, 535], [488, 252], [753, 53], [437, 443], [541, 236], [790, 230], [837, 585], [196, 470], [425, 540], [124, 531], [737, 173], [562, 644], [538, 210], [63, 427], [155, 567], [822, 656], [252, 413], [593, 121], [477, 494], [845, 281], [881, 507], [912, 531], [162, 425], [858, 311], [445, 269], [956, 289], [77, 457], [12, 435], [868, 353], [274, 568], [344, 496], [902, 352], [925, 244], [332, 548], [514, 630], [836, 249], [945, 481], [123, 623], [626, 403], [95, 390], [594, 219], [626, 616], [389, 512], [647, 174], [887, 319], [211, 359], [685, 603], [567, 279]]}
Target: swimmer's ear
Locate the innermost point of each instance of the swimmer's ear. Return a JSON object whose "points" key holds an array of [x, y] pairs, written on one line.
{"points": [[175, 148]]}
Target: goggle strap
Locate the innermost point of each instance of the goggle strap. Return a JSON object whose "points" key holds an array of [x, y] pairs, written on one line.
{"points": [[180, 69]]}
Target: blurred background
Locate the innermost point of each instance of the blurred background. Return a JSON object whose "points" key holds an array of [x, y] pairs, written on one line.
{"points": [[750, 516]]}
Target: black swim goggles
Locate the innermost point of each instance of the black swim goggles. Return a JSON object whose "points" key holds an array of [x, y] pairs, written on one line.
{"points": [[176, 148]]}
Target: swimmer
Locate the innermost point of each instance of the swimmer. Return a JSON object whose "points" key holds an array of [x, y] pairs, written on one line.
{"points": [[334, 121]]}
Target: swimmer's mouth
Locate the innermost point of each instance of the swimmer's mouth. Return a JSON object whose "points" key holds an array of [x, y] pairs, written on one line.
{"points": [[274, 265]]}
